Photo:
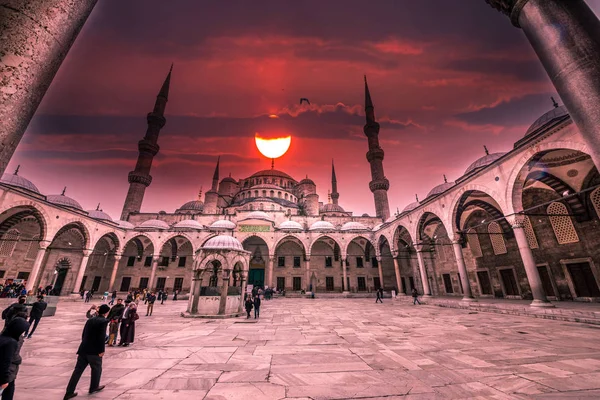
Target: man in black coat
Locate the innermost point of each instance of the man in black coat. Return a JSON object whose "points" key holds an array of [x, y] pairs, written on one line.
{"points": [[15, 310], [37, 310], [11, 341], [90, 352]]}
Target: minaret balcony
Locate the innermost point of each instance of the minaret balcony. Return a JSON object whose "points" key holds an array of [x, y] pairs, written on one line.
{"points": [[379, 184], [139, 177], [156, 119], [146, 146], [375, 154]]}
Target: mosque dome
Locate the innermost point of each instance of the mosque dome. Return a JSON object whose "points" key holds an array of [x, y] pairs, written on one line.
{"points": [[290, 225], [322, 226], [153, 224], [99, 214], [439, 189], [266, 186], [223, 242], [483, 162], [228, 179], [259, 215], [353, 226], [125, 224], [188, 224], [330, 207], [18, 181], [307, 181], [64, 201], [271, 172], [411, 206], [557, 113], [194, 205], [222, 224]]}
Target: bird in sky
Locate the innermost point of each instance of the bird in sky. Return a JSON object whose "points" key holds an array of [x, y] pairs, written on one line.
{"points": [[304, 99]]}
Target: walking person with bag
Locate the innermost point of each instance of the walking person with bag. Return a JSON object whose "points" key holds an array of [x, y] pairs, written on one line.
{"points": [[415, 296]]}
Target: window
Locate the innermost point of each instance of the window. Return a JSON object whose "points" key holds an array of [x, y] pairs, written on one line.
{"points": [[272, 193], [474, 244], [530, 234], [460, 287], [130, 261], [23, 275], [329, 283], [583, 280], [595, 198], [9, 242], [484, 283], [148, 261], [509, 282], [280, 283], [281, 261], [144, 283], [497, 238], [182, 261], [33, 248], [125, 283], [297, 282], [359, 262], [2, 274], [178, 284], [164, 262], [279, 194], [264, 193], [448, 283], [347, 262], [160, 283], [362, 284], [296, 262], [328, 262], [562, 224], [286, 196], [376, 283], [374, 262]]}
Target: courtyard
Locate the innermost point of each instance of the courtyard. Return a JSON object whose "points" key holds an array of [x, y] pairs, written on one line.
{"points": [[323, 349]]}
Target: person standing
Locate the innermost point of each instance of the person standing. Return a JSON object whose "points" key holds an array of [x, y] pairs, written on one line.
{"points": [[379, 295], [17, 309], [114, 317], [37, 311], [90, 353], [164, 297], [130, 315], [257, 306], [415, 296], [11, 342], [175, 295], [248, 305], [113, 296], [151, 299]]}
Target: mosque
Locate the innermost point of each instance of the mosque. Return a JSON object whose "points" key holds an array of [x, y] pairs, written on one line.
{"points": [[520, 224]]}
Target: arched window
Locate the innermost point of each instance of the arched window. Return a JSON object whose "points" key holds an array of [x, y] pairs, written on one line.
{"points": [[595, 198], [530, 234], [251, 207], [272, 193], [264, 193], [561, 223], [497, 238], [261, 206], [9, 242], [286, 196], [256, 193], [273, 207], [279, 194], [33, 248], [474, 244]]}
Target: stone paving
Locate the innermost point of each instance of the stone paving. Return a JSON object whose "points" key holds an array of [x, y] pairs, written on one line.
{"points": [[324, 349]]}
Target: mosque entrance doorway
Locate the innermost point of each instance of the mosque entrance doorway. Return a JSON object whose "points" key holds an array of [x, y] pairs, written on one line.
{"points": [[61, 275], [256, 277], [258, 260], [583, 280]]}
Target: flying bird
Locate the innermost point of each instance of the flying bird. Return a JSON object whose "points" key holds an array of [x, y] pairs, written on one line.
{"points": [[304, 99]]}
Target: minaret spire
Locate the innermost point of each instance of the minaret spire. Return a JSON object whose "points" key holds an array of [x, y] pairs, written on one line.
{"points": [[140, 178], [334, 193], [379, 184], [215, 181]]}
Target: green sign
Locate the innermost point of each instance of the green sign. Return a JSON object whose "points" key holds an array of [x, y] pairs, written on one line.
{"points": [[255, 228]]}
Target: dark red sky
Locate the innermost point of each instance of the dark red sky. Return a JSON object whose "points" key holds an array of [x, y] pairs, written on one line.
{"points": [[445, 79]]}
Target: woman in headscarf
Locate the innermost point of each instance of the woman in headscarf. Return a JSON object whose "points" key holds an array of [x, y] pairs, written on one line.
{"points": [[11, 341], [128, 325]]}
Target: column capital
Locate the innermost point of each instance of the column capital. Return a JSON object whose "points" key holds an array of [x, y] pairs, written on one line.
{"points": [[43, 245], [155, 258], [510, 8], [118, 257], [516, 221], [307, 257], [378, 259], [87, 253]]}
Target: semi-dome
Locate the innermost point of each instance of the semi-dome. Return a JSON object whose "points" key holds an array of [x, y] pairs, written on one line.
{"points": [[307, 181], [125, 224], [291, 226], [322, 226], [64, 201], [194, 205], [99, 214], [483, 162], [440, 189], [353, 226], [153, 224], [259, 215], [18, 181], [223, 242], [222, 224], [557, 113], [228, 179], [411, 206], [271, 172], [188, 224], [330, 207]]}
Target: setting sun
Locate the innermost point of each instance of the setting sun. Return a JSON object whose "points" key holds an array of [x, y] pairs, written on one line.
{"points": [[273, 148]]}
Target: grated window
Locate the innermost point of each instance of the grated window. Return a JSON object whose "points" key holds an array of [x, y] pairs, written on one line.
{"points": [[497, 238], [530, 234], [474, 244], [33, 248], [9, 242], [595, 197], [562, 224]]}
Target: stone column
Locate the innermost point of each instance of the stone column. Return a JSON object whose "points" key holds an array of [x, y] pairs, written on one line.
{"points": [[36, 36], [423, 273], [399, 291], [243, 280], [564, 34], [533, 275], [345, 276], [223, 302], [37, 266], [380, 270], [270, 271], [307, 284], [462, 270], [81, 270], [113, 275], [197, 282], [155, 260]]}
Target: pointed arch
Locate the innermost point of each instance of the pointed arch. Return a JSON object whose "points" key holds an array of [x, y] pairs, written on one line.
{"points": [[290, 238], [322, 237], [28, 208], [561, 187], [171, 236]]}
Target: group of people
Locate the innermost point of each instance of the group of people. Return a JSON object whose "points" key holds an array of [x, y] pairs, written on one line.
{"points": [[252, 302], [414, 293], [12, 290]]}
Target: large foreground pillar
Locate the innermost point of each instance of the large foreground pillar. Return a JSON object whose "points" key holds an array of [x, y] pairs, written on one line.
{"points": [[565, 34], [113, 275], [307, 287], [462, 269], [270, 271], [151, 285], [380, 271], [37, 266], [81, 270], [36, 36], [423, 272], [399, 291], [345, 285]]}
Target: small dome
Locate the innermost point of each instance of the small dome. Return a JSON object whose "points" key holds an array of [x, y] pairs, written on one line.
{"points": [[188, 224], [411, 206], [125, 224], [99, 214], [330, 207], [259, 215], [306, 181], [222, 224], [194, 205], [290, 225], [65, 201], [365, 215], [228, 180], [483, 162], [353, 226], [440, 189], [19, 181], [322, 226], [223, 242], [555, 114], [153, 224]]}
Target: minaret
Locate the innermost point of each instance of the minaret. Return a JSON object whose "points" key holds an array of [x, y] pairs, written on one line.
{"points": [[379, 185], [334, 193], [211, 197], [139, 178]]}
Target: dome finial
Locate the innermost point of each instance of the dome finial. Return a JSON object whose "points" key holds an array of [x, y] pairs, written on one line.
{"points": [[417, 197], [200, 194], [328, 196], [554, 103], [272, 163], [17, 170], [487, 153], [64, 190], [98, 207], [445, 179]]}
